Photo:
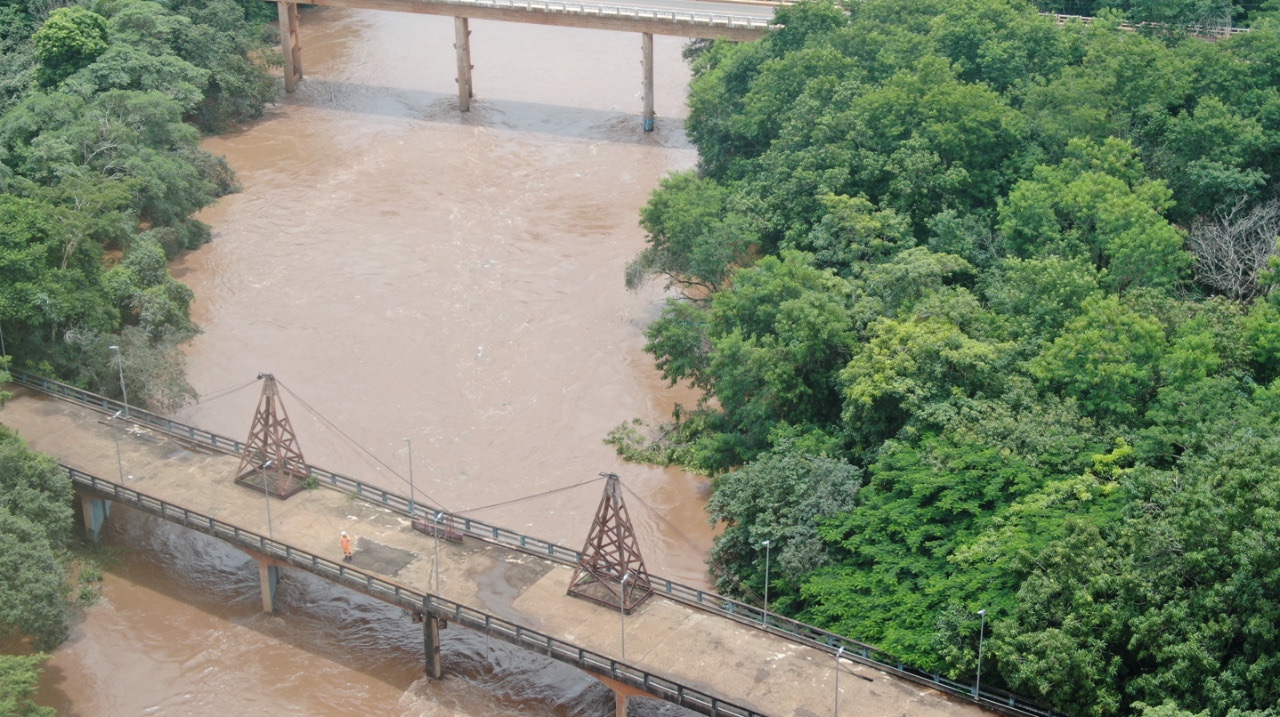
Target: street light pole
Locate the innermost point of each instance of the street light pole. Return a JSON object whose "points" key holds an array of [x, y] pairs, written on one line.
{"points": [[622, 613], [982, 628], [838, 654], [267, 497], [120, 366], [436, 532], [411, 491], [115, 431], [764, 616]]}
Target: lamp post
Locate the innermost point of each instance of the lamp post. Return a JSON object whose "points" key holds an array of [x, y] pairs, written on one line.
{"points": [[411, 491], [120, 366], [436, 532], [622, 613], [115, 431], [838, 654], [764, 616], [982, 628], [267, 497]]}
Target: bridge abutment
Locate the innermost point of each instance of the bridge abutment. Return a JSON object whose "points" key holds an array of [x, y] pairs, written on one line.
{"points": [[96, 511]]}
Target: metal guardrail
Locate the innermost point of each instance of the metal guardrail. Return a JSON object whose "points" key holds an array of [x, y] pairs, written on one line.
{"points": [[1193, 29], [631, 13], [816, 637], [410, 599]]}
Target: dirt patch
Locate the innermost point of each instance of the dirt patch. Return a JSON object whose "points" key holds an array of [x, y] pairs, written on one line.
{"points": [[379, 558]]}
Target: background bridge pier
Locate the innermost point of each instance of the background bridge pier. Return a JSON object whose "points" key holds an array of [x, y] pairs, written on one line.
{"points": [[290, 44], [646, 62], [462, 43]]}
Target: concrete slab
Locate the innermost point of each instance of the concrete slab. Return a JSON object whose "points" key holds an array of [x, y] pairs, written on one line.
{"points": [[738, 661]]}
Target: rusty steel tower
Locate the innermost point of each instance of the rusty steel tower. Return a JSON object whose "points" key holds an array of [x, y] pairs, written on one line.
{"points": [[611, 570], [271, 461]]}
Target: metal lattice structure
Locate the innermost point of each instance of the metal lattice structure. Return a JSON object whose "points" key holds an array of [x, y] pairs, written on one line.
{"points": [[611, 571], [272, 461]]}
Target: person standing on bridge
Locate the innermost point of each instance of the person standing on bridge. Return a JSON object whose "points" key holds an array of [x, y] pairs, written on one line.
{"points": [[345, 541]]}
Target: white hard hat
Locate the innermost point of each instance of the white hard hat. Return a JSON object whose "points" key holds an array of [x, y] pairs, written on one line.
{"points": [[344, 532]]}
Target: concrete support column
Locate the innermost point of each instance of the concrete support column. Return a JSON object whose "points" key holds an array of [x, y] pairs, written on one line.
{"points": [[462, 43], [431, 646], [96, 512], [269, 574], [646, 48], [621, 692], [290, 44]]}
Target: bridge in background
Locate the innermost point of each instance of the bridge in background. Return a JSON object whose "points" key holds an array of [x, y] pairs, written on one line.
{"points": [[711, 654], [695, 19]]}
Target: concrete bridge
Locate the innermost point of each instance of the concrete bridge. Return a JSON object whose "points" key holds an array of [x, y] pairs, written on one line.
{"points": [[690, 647], [692, 19]]}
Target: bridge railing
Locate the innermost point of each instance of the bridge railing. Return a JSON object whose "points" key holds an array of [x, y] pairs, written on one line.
{"points": [[751, 614], [410, 599], [631, 13]]}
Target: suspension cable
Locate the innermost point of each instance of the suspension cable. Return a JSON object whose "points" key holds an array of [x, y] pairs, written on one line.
{"points": [[222, 393], [722, 569], [529, 497], [354, 443]]}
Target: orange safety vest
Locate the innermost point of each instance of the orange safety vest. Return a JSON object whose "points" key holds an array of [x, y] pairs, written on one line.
{"points": [[346, 544]]}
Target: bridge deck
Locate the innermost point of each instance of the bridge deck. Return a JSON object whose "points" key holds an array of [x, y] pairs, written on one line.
{"points": [[726, 21], [741, 663]]}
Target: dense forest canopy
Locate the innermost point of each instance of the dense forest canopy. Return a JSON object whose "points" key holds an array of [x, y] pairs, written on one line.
{"points": [[102, 106], [983, 312], [101, 111]]}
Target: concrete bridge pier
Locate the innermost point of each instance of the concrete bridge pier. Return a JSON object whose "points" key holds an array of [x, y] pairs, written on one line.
{"points": [[269, 574], [462, 44], [96, 511], [621, 692], [431, 626], [646, 49], [290, 44]]}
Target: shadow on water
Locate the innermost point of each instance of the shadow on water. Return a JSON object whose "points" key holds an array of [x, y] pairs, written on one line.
{"points": [[342, 626], [534, 117]]}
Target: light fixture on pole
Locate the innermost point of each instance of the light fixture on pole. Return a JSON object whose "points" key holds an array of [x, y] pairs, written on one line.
{"points": [[622, 613], [838, 654], [120, 366], [411, 491], [982, 628], [115, 431], [764, 616], [435, 530]]}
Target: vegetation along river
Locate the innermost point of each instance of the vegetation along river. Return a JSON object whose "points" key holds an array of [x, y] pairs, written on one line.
{"points": [[408, 271]]}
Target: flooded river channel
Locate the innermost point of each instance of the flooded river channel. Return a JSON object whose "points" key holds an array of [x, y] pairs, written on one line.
{"points": [[408, 271]]}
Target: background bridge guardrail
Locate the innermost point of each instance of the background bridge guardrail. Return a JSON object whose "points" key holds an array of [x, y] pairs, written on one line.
{"points": [[803, 633], [578, 8], [410, 599]]}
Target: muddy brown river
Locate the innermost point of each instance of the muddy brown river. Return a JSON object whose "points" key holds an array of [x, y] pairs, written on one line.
{"points": [[408, 271]]}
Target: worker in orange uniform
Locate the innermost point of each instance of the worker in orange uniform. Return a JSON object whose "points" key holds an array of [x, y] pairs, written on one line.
{"points": [[345, 540]]}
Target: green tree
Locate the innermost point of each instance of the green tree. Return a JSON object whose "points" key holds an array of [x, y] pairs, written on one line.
{"points": [[782, 496], [1105, 359], [72, 38], [19, 679]]}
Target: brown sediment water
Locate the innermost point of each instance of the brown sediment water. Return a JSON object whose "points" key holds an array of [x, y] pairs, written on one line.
{"points": [[409, 271]]}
